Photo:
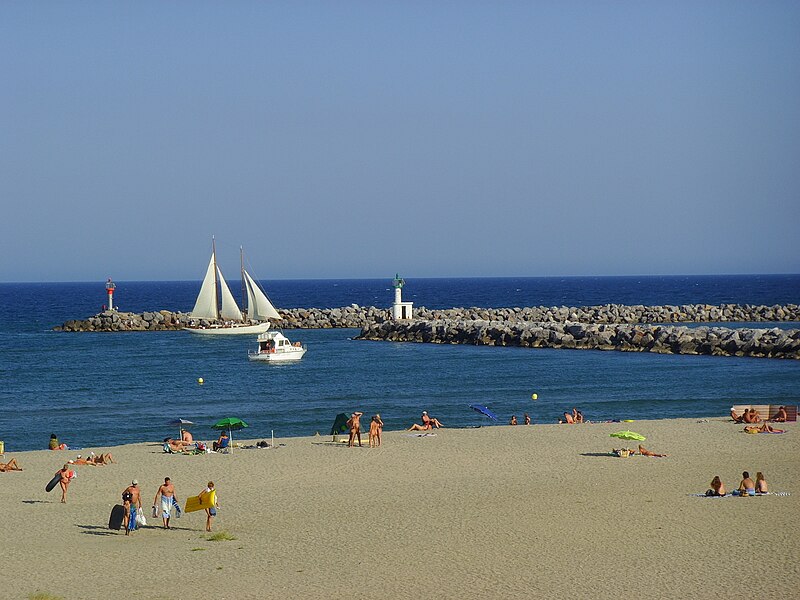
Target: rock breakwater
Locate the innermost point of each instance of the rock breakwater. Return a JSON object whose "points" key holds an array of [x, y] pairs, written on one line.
{"points": [[357, 317], [663, 339]]}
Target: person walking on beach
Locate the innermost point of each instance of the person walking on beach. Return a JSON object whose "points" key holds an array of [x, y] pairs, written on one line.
{"points": [[67, 475], [132, 501], [354, 423], [211, 512], [168, 498]]}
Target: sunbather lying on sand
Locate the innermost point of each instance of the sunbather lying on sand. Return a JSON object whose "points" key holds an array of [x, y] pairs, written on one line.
{"points": [[645, 452], [177, 445], [427, 423], [11, 465], [737, 418], [101, 459], [763, 428]]}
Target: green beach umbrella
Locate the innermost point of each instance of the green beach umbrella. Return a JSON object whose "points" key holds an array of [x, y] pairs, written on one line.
{"points": [[628, 435], [230, 423]]}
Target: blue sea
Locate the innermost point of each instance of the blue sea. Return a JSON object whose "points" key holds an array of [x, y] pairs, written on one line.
{"points": [[99, 389]]}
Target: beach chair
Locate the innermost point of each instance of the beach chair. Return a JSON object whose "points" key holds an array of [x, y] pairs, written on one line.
{"points": [[223, 447]]}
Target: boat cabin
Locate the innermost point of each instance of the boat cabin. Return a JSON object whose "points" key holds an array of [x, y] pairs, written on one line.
{"points": [[273, 341]]}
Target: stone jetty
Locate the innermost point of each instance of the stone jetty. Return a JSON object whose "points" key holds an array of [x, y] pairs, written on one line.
{"points": [[357, 317], [662, 339]]}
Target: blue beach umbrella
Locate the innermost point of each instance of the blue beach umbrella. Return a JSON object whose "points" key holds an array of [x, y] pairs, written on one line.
{"points": [[484, 411], [181, 423]]}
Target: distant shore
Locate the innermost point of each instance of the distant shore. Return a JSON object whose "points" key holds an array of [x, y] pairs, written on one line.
{"points": [[490, 512]]}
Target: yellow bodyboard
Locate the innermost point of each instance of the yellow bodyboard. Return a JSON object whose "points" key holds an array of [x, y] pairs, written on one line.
{"points": [[204, 500]]}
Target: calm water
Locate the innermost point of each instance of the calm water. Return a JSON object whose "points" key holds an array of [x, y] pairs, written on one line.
{"points": [[101, 389]]}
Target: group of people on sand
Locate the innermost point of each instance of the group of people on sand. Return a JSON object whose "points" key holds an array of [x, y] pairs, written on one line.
{"points": [[165, 502], [375, 430], [526, 419], [747, 487], [571, 418], [188, 444], [752, 416]]}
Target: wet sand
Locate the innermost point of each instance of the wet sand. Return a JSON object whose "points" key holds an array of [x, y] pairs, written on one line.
{"points": [[505, 512]]}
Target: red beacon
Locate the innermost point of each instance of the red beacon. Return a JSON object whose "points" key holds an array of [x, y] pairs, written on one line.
{"points": [[110, 287]]}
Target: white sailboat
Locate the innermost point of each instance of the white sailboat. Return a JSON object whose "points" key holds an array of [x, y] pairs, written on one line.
{"points": [[211, 319]]}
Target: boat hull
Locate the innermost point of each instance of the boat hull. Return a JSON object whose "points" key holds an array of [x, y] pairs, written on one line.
{"points": [[277, 357], [232, 330]]}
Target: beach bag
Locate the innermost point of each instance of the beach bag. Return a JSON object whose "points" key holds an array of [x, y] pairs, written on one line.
{"points": [[140, 519]]}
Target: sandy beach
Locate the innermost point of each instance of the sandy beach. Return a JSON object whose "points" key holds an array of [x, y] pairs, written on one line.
{"points": [[495, 512]]}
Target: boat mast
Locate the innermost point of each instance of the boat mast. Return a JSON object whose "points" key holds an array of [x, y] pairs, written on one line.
{"points": [[244, 288], [216, 278]]}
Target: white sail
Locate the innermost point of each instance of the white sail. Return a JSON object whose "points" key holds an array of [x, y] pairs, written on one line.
{"points": [[230, 310], [259, 308], [206, 305]]}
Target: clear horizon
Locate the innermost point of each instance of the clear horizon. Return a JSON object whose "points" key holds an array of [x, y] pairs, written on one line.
{"points": [[389, 278], [355, 139]]}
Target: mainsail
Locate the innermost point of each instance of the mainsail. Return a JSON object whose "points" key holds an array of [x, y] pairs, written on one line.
{"points": [[206, 305], [259, 308]]}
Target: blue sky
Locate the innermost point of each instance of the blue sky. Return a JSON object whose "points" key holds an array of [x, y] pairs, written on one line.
{"points": [[359, 139]]}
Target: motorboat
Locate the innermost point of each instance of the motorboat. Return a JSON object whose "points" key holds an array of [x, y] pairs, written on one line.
{"points": [[273, 346]]}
